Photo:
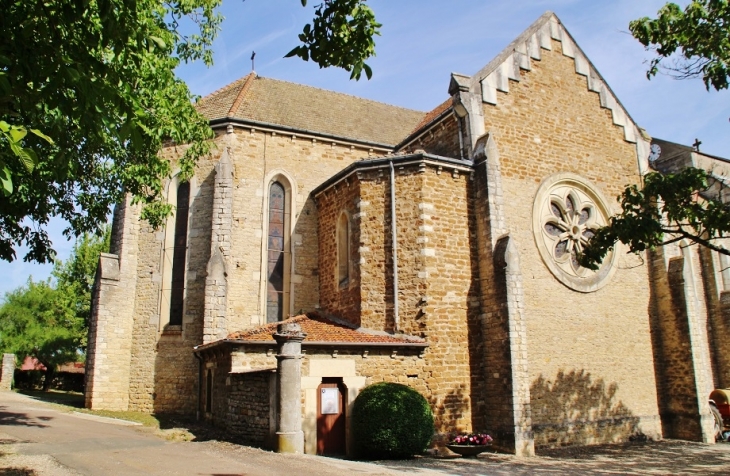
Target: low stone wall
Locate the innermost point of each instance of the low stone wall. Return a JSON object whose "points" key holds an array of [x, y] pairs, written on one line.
{"points": [[250, 413], [7, 372]]}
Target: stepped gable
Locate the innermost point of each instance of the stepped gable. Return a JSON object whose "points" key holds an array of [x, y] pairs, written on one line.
{"points": [[306, 109], [527, 47], [320, 329]]}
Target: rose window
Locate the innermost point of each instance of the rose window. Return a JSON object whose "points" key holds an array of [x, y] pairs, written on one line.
{"points": [[570, 226], [566, 214]]}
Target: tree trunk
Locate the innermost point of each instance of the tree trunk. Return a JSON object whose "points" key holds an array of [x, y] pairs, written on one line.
{"points": [[50, 371]]}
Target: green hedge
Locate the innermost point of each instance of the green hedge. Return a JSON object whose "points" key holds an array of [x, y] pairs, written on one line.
{"points": [[391, 421]]}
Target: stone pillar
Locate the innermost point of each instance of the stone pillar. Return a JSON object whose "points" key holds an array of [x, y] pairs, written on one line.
{"points": [[681, 352], [506, 412], [289, 432], [699, 351], [507, 261], [109, 349], [7, 372]]}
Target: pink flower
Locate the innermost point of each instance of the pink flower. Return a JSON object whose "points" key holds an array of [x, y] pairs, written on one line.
{"points": [[474, 439]]}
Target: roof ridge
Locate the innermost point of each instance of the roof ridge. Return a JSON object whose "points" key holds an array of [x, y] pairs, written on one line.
{"points": [[226, 87], [239, 99], [269, 326]]}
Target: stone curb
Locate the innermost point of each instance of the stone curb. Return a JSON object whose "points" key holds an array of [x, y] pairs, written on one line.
{"points": [[101, 419]]}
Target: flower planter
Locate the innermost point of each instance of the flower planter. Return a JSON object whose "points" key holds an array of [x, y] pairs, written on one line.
{"points": [[468, 450]]}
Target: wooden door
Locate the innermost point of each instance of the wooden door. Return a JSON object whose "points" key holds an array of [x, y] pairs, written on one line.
{"points": [[331, 414]]}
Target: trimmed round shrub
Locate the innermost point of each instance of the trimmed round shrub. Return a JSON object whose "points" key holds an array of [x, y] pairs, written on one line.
{"points": [[391, 421]]}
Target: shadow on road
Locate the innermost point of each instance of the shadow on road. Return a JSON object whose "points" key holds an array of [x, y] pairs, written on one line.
{"points": [[17, 472], [70, 399], [21, 419], [664, 457], [187, 429]]}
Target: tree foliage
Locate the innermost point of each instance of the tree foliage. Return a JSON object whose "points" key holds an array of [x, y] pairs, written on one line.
{"points": [[668, 208], [691, 204], [341, 34], [49, 321], [75, 276], [40, 321], [88, 96], [699, 35]]}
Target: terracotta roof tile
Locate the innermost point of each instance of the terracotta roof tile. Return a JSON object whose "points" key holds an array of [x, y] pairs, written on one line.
{"points": [[433, 114], [305, 108], [320, 329]]}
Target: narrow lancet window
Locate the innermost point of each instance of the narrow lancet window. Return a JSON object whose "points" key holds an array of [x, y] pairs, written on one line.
{"points": [[343, 250], [177, 289], [209, 391], [275, 259]]}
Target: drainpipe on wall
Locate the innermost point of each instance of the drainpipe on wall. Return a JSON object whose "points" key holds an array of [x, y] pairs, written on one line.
{"points": [[396, 320]]}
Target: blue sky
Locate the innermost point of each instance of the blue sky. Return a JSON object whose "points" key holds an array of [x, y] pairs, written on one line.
{"points": [[423, 41]]}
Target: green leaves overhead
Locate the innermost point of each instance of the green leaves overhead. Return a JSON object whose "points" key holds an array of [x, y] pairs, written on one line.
{"points": [[694, 41], [341, 35], [668, 208], [689, 205], [88, 97]]}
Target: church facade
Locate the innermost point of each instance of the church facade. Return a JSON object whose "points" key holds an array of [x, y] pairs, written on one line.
{"points": [[432, 249]]}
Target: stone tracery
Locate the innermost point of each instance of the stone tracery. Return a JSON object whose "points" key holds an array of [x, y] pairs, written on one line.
{"points": [[571, 224], [566, 214]]}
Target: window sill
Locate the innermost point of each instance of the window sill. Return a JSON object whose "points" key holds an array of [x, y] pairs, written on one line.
{"points": [[172, 331]]}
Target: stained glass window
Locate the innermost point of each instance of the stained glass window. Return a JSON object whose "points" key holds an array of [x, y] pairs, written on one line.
{"points": [[275, 259]]}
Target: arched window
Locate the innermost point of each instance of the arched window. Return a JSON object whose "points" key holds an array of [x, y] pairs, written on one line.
{"points": [[276, 244], [343, 250], [177, 288]]}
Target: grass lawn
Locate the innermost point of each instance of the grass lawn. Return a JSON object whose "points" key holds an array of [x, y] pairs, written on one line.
{"points": [[74, 401]]}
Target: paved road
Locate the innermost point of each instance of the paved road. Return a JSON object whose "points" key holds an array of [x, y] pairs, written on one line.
{"points": [[35, 435], [57, 443]]}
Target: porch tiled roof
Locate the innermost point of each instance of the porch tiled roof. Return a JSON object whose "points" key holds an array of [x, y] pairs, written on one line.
{"points": [[320, 329]]}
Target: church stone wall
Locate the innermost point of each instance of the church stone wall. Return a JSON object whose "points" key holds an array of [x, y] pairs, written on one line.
{"points": [[441, 139], [718, 314], [340, 299], [436, 273], [590, 349], [163, 371], [452, 307], [679, 328], [108, 371], [249, 408], [258, 157]]}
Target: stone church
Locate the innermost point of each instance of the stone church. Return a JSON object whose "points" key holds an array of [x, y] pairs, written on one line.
{"points": [[434, 249]]}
